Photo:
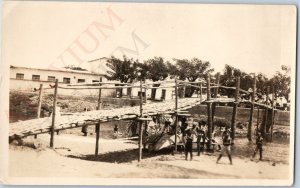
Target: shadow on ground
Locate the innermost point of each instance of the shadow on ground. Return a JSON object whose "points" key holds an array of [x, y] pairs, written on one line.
{"points": [[124, 156]]}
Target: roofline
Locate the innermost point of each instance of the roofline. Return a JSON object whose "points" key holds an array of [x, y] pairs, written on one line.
{"points": [[71, 71]]}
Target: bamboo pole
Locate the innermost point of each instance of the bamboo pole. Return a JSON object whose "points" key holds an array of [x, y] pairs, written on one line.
{"points": [[184, 88], [176, 108], [234, 113], [252, 109], [264, 128], [40, 101], [273, 112], [216, 92], [99, 107], [97, 130], [209, 114], [200, 89], [141, 123], [257, 119], [53, 114], [145, 89]]}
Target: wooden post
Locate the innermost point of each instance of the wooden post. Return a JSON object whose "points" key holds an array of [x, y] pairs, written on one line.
{"points": [[184, 88], [99, 107], [252, 109], [209, 113], [141, 123], [234, 113], [97, 130], [217, 83], [216, 92], [40, 101], [53, 115], [264, 126], [273, 112], [145, 94], [257, 119], [200, 89], [176, 108]]}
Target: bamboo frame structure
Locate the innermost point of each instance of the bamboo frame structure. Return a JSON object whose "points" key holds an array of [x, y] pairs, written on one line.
{"points": [[178, 111]]}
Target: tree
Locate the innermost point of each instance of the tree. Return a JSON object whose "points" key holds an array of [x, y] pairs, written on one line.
{"points": [[191, 70], [282, 82], [122, 70], [261, 83], [157, 69]]}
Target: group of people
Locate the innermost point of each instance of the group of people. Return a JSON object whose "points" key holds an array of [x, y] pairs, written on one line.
{"points": [[199, 132], [192, 131]]}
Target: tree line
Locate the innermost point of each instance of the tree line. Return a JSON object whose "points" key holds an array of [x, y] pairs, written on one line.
{"points": [[128, 70]]}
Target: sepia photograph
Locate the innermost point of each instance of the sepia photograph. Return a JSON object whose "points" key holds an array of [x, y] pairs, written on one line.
{"points": [[147, 94]]}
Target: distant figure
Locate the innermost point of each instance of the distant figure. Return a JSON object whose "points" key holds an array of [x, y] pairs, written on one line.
{"points": [[116, 130], [226, 145], [259, 145], [189, 143], [84, 130], [57, 110]]}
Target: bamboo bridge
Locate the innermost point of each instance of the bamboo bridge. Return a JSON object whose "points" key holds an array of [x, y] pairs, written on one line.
{"points": [[144, 112]]}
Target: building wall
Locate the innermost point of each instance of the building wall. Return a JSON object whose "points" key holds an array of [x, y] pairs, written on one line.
{"points": [[27, 84]]}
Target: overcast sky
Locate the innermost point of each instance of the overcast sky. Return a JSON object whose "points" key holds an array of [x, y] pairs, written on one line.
{"points": [[50, 35]]}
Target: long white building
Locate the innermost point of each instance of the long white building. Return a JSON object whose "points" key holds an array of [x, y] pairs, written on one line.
{"points": [[28, 79]]}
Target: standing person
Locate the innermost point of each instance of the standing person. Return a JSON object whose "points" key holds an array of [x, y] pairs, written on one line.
{"points": [[116, 131], [226, 145], [200, 139], [259, 144], [189, 143]]}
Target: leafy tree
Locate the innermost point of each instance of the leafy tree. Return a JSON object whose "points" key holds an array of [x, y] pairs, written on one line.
{"points": [[123, 70], [261, 83], [157, 69], [282, 82], [191, 70]]}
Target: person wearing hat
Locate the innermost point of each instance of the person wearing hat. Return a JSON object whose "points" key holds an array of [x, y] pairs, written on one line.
{"points": [[259, 145], [227, 141]]}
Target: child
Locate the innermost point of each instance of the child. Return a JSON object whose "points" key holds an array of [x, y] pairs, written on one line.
{"points": [[226, 145], [189, 144], [259, 144]]}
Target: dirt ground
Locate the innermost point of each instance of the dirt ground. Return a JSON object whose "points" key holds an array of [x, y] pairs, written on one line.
{"points": [[73, 156]]}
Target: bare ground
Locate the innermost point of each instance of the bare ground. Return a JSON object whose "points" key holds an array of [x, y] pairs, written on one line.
{"points": [[73, 156]]}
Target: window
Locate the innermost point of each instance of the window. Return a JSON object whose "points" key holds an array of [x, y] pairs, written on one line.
{"points": [[66, 80], [36, 77], [81, 80], [20, 76], [51, 78]]}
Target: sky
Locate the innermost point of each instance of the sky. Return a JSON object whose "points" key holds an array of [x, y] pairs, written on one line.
{"points": [[253, 38]]}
